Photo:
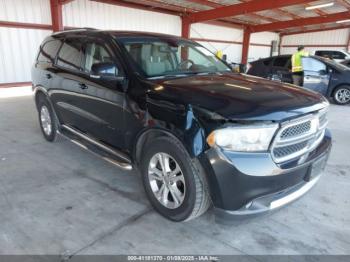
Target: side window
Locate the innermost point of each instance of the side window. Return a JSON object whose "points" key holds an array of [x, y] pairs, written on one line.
{"points": [[49, 51], [338, 55], [96, 55], [280, 61], [70, 55], [311, 64], [267, 62]]}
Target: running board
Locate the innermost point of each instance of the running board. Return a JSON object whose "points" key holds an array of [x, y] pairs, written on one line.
{"points": [[108, 154]]}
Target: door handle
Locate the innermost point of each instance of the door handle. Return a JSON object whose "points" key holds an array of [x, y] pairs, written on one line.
{"points": [[48, 76], [83, 86]]}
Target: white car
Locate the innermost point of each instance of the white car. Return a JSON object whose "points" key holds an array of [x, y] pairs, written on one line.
{"points": [[336, 55]]}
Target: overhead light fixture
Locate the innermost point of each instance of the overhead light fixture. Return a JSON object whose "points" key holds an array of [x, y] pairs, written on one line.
{"points": [[343, 21], [319, 6]]}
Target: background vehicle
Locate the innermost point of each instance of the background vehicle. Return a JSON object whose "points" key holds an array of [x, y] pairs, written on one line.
{"points": [[322, 75], [171, 108], [336, 55], [346, 63]]}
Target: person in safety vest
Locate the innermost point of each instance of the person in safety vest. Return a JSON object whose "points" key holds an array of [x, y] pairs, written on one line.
{"points": [[297, 66]]}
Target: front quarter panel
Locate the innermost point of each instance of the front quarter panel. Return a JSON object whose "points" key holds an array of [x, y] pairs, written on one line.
{"points": [[147, 108]]}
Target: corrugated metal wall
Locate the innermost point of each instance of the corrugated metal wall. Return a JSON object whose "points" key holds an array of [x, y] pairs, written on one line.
{"points": [[29, 11], [206, 31], [18, 47], [312, 41], [233, 50], [84, 13]]}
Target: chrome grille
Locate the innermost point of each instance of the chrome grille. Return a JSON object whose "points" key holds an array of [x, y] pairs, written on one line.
{"points": [[300, 136], [288, 150], [296, 130]]}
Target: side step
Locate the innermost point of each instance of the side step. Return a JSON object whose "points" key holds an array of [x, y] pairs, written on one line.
{"points": [[107, 153]]}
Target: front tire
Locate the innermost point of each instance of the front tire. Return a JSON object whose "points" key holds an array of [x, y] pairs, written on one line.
{"points": [[341, 95], [174, 183], [47, 120]]}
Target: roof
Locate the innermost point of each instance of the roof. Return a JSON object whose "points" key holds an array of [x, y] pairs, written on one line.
{"points": [[113, 32]]}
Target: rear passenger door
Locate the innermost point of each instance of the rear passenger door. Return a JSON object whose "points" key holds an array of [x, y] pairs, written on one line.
{"points": [[66, 88]]}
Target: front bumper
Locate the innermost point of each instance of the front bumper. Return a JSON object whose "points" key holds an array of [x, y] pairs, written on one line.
{"points": [[246, 184]]}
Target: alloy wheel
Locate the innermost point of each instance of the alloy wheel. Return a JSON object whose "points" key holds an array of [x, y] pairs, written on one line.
{"points": [[46, 122], [342, 95], [166, 180]]}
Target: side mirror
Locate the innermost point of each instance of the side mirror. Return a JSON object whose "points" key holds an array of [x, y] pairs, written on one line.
{"points": [[105, 70]]}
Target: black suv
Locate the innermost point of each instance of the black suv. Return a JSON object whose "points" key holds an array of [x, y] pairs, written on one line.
{"points": [[199, 133], [321, 75]]}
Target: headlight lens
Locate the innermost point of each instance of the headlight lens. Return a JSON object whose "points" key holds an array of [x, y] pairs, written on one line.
{"points": [[243, 138]]}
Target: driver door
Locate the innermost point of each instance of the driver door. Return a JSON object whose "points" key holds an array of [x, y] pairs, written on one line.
{"points": [[316, 75], [102, 94]]}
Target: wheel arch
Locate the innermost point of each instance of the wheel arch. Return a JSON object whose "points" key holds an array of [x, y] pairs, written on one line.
{"points": [[38, 93], [42, 92], [147, 135]]}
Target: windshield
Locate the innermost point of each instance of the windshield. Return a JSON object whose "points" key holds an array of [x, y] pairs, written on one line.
{"points": [[162, 58]]}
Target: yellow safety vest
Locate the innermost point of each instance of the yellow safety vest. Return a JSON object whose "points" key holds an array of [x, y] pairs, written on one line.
{"points": [[297, 65], [219, 54]]}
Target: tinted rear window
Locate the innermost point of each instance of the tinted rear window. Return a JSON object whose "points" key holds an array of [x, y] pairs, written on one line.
{"points": [[280, 61], [70, 55], [48, 51], [267, 62]]}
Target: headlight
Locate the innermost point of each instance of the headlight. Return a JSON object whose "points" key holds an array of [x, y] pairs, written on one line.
{"points": [[243, 138]]}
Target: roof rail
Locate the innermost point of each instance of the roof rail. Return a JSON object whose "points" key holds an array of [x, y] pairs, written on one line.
{"points": [[69, 29]]}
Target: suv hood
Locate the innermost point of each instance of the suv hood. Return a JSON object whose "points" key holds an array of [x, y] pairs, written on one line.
{"points": [[239, 96]]}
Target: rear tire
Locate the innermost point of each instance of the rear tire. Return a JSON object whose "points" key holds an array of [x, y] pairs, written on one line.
{"points": [[341, 95], [47, 120], [179, 190]]}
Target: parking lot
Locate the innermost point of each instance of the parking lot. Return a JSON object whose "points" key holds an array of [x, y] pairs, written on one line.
{"points": [[56, 198]]}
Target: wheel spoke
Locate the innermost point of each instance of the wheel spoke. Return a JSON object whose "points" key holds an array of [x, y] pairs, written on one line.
{"points": [[165, 195], [159, 193], [155, 173], [161, 162], [176, 194]]}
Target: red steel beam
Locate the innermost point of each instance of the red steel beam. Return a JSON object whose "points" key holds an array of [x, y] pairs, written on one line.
{"points": [[245, 46], [139, 6], [217, 5], [25, 25], [315, 30], [301, 22], [241, 9], [64, 2], [185, 27], [56, 15]]}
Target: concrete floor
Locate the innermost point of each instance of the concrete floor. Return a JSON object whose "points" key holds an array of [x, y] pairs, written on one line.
{"points": [[59, 199]]}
